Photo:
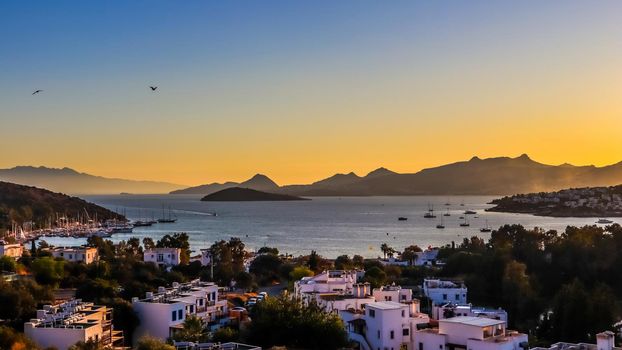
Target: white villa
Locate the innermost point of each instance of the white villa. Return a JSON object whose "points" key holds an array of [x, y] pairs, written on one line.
{"points": [[449, 310], [604, 341], [393, 293], [162, 313], [477, 333], [332, 281], [213, 346], [81, 254], [442, 292], [61, 326], [163, 256], [384, 324], [13, 250]]}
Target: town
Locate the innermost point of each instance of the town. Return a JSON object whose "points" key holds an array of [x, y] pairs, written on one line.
{"points": [[159, 295]]}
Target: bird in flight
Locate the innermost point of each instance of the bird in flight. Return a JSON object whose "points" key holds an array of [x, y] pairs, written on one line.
{"points": [[153, 88], [36, 92]]}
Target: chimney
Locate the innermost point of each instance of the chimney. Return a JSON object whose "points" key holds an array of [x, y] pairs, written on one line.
{"points": [[605, 340]]}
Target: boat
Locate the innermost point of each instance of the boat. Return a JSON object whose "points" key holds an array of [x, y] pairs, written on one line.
{"points": [[604, 221], [447, 213], [465, 223], [167, 219], [462, 217], [440, 225], [140, 223], [469, 212], [401, 218], [448, 203], [430, 213], [486, 228]]}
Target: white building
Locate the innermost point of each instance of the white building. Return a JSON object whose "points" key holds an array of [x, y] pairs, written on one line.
{"points": [[163, 256], [13, 250], [384, 325], [61, 326], [332, 281], [442, 292], [393, 293], [427, 257], [214, 346], [162, 313], [335, 302], [450, 310], [81, 254], [604, 341], [476, 333]]}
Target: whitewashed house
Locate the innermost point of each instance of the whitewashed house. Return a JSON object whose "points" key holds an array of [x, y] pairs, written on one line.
{"points": [[61, 326], [442, 292], [331, 281], [335, 302], [13, 250], [449, 310], [81, 254], [604, 341], [476, 333], [163, 256], [384, 325], [393, 293], [164, 312]]}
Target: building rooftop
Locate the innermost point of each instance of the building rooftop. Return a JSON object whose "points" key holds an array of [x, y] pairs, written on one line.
{"points": [[473, 321], [386, 305]]}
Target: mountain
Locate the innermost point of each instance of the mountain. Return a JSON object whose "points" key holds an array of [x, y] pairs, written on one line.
{"points": [[67, 180], [258, 182], [239, 194], [490, 176], [20, 203]]}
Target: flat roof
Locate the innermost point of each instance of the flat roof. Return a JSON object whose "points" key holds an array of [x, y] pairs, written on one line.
{"points": [[473, 321], [386, 305]]}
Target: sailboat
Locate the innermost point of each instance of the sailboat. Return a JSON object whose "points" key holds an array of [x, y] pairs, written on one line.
{"points": [[430, 213], [486, 228], [167, 219], [465, 223], [440, 225], [447, 213]]}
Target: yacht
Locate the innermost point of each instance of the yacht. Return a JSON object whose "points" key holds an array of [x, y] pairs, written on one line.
{"points": [[447, 213], [486, 228], [440, 225], [167, 219], [604, 221], [469, 212], [401, 218], [465, 223], [430, 213]]}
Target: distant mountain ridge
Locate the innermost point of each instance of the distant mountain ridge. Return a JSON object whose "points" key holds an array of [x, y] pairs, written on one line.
{"points": [[490, 176], [258, 182], [68, 180], [240, 194]]}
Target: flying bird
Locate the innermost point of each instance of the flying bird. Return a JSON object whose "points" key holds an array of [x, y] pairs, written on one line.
{"points": [[36, 92], [153, 88]]}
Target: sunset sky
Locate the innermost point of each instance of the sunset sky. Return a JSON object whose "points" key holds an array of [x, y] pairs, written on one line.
{"points": [[299, 90]]}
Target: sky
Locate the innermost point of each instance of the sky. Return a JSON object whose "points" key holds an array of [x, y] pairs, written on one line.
{"points": [[300, 90]]}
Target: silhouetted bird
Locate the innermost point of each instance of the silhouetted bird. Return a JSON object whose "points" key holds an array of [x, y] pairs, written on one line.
{"points": [[153, 88], [37, 91]]}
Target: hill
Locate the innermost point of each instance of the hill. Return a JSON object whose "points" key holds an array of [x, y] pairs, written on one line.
{"points": [[20, 203], [258, 182], [239, 194], [67, 180]]}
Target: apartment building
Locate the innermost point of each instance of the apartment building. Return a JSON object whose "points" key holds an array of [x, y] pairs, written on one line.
{"points": [[13, 250], [441, 292], [163, 256], [162, 313], [604, 341], [61, 326], [330, 281], [81, 254]]}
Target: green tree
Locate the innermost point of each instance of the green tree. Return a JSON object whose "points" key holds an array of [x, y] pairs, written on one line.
{"points": [[410, 254], [7, 264], [225, 334], [46, 270], [151, 343], [285, 321], [193, 330], [88, 345], [343, 262], [299, 272]]}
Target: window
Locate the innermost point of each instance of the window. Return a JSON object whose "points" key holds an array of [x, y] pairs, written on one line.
{"points": [[160, 257], [180, 314], [70, 256], [200, 302], [444, 296], [378, 334], [372, 313], [405, 331], [174, 315], [457, 296], [392, 334], [403, 313], [420, 346], [440, 346], [191, 309]]}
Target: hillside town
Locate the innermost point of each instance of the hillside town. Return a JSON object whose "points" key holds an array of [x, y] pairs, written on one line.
{"points": [[581, 202], [369, 309]]}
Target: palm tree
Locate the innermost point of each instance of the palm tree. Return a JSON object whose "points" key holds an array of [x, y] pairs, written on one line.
{"points": [[193, 330], [385, 249]]}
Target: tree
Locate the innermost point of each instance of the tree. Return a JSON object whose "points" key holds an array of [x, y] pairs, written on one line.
{"points": [[224, 335], [285, 321], [358, 261], [410, 254], [47, 270], [193, 330], [7, 264], [88, 345], [177, 240], [13, 340], [268, 250], [299, 272], [151, 343], [375, 276], [343, 262], [148, 243], [314, 261], [266, 268]]}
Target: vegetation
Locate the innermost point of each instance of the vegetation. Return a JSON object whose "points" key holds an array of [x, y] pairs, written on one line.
{"points": [[284, 321]]}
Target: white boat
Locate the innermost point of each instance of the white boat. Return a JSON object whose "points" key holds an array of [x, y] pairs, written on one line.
{"points": [[604, 221]]}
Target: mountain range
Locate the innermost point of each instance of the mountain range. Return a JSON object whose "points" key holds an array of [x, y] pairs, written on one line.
{"points": [[67, 180], [490, 176]]}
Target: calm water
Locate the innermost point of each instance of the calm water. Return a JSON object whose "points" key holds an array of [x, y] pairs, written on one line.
{"points": [[331, 226]]}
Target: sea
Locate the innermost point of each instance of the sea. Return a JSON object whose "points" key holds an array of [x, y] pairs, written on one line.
{"points": [[331, 226]]}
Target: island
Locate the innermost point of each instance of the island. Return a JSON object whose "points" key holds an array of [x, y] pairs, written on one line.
{"points": [[240, 194], [573, 202]]}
